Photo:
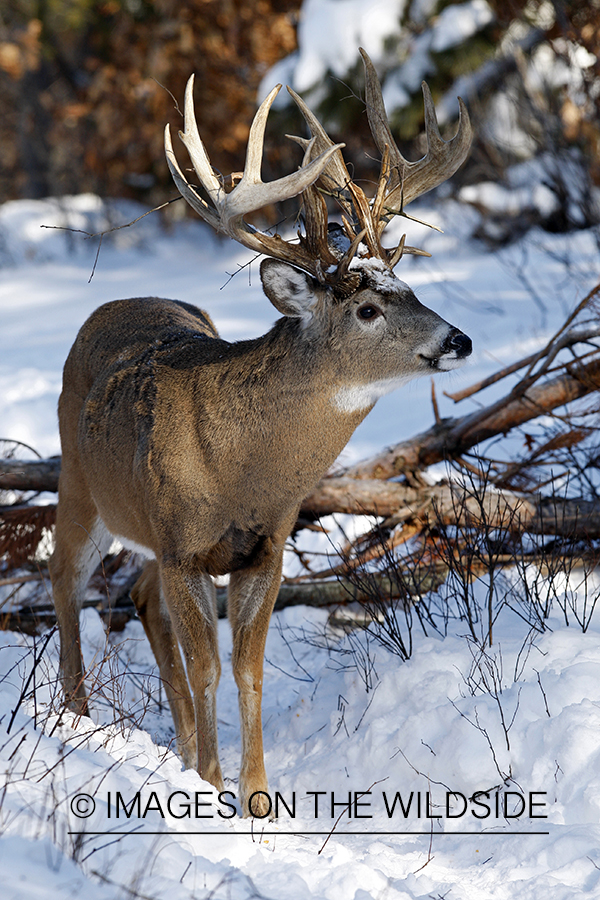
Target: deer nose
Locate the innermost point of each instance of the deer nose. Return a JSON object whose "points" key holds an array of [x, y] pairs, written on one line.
{"points": [[458, 343]]}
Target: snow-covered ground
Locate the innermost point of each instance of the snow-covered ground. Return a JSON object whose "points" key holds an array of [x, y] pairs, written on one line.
{"points": [[338, 719]]}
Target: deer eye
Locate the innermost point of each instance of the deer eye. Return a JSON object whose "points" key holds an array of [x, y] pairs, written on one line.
{"points": [[368, 311]]}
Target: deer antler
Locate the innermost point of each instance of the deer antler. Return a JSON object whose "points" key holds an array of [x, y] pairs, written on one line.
{"points": [[228, 209], [323, 171], [409, 180], [400, 181]]}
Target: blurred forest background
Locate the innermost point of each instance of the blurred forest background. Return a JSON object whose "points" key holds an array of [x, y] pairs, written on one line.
{"points": [[86, 87]]}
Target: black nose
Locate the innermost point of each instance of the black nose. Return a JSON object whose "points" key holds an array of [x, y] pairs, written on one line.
{"points": [[459, 343]]}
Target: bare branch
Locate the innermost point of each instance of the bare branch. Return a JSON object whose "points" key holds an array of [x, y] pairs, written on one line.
{"points": [[102, 234], [452, 437]]}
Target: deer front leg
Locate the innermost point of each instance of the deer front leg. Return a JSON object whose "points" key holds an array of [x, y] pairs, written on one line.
{"points": [[191, 600], [154, 615], [252, 595]]}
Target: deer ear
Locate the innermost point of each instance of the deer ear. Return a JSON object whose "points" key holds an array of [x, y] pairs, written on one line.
{"points": [[290, 290]]}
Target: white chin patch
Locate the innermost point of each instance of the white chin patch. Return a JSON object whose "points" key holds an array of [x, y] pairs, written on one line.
{"points": [[447, 363], [361, 396]]}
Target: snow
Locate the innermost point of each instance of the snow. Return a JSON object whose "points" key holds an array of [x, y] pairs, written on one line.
{"points": [[331, 31], [458, 22], [508, 303], [502, 199], [419, 729], [527, 188], [377, 272], [341, 718]]}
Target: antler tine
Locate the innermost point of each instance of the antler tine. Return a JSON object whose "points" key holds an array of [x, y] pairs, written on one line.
{"points": [[377, 116], [412, 179], [335, 179], [443, 158], [188, 191], [194, 146], [382, 187], [256, 140], [335, 176], [251, 193]]}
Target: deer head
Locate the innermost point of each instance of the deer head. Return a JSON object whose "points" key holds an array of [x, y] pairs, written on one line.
{"points": [[345, 260]]}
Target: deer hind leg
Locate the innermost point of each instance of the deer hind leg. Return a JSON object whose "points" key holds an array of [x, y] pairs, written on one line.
{"points": [[81, 542], [252, 595], [152, 610], [191, 601]]}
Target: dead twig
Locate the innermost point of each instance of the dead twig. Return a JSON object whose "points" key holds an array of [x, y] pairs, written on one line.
{"points": [[102, 234]]}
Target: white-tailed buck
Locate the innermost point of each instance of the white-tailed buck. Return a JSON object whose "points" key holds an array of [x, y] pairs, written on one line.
{"points": [[199, 452]]}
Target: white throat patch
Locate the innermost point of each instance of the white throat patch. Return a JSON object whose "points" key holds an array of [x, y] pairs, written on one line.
{"points": [[356, 397]]}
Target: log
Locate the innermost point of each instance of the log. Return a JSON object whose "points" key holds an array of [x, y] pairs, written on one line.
{"points": [[450, 437], [444, 503], [29, 475], [364, 488], [451, 504], [453, 436], [339, 592], [370, 497]]}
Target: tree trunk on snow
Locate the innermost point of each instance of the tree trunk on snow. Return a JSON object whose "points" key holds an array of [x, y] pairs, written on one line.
{"points": [[452, 437], [451, 504], [29, 475]]}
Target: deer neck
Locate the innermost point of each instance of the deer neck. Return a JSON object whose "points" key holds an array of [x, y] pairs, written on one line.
{"points": [[293, 380], [280, 416]]}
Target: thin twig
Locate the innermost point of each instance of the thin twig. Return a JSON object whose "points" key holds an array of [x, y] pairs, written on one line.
{"points": [[101, 234], [345, 810]]}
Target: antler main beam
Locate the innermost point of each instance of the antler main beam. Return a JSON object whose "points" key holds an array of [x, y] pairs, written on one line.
{"points": [[228, 209], [409, 180], [323, 171]]}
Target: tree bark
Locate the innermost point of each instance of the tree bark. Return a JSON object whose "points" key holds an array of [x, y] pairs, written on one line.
{"points": [[363, 489], [446, 439], [29, 475], [451, 504], [121, 610], [452, 437]]}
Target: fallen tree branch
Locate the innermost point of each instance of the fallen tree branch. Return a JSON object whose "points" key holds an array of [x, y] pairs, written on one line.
{"points": [[30, 474], [119, 610], [539, 515], [451, 502], [448, 438], [451, 437]]}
